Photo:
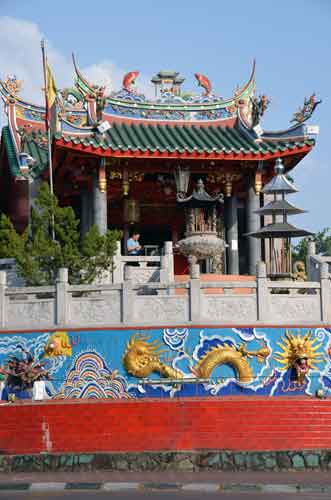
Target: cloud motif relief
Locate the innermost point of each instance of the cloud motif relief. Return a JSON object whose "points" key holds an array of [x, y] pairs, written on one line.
{"points": [[175, 338], [90, 378]]}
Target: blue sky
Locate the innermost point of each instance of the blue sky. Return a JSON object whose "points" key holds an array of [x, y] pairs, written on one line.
{"points": [[291, 41]]}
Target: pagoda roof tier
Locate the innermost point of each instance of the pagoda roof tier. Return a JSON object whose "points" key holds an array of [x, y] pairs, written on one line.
{"points": [[278, 185], [279, 207], [280, 230]]}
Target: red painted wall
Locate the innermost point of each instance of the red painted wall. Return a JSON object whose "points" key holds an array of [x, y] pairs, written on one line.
{"points": [[232, 424]]}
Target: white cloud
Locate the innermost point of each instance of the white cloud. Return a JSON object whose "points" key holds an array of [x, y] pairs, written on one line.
{"points": [[20, 55], [108, 74]]}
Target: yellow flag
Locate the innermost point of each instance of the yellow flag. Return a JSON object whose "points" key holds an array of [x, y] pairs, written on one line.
{"points": [[51, 90]]}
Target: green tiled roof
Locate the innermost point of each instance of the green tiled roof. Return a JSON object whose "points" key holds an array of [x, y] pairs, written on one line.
{"points": [[149, 138], [181, 139], [7, 141], [39, 153], [31, 147]]}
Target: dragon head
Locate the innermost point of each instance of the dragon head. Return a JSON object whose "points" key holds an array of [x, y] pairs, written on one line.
{"points": [[141, 358], [299, 352], [58, 344]]}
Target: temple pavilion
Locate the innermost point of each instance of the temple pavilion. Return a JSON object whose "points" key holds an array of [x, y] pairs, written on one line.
{"points": [[117, 158]]}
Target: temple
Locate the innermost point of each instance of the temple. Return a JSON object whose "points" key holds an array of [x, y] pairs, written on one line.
{"points": [[214, 308], [118, 159]]}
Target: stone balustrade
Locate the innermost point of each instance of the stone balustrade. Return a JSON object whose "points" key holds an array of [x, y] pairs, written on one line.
{"points": [[144, 269], [315, 262], [166, 302]]}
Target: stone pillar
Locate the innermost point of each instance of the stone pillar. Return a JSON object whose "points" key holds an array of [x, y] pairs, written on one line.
{"points": [[127, 297], [167, 263], [62, 305], [86, 213], [325, 292], [99, 205], [118, 265], [262, 293], [310, 266], [3, 283], [231, 218], [195, 294], [252, 225]]}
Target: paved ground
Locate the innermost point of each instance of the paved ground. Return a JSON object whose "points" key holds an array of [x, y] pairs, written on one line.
{"points": [[166, 485], [305, 478], [164, 496]]}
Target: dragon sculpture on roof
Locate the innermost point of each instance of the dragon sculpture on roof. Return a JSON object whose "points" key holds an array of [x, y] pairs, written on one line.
{"points": [[308, 108]]}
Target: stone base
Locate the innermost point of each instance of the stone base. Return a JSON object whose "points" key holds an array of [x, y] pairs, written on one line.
{"points": [[315, 460]]}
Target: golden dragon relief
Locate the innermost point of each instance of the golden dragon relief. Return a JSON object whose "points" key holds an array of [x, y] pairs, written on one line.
{"points": [[142, 358]]}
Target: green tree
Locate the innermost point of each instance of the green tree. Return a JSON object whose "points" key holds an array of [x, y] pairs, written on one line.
{"points": [[323, 245], [39, 257]]}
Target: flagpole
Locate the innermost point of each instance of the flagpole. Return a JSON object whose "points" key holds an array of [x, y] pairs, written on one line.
{"points": [[48, 128]]}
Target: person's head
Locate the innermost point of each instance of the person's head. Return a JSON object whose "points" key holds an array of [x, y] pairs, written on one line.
{"points": [[135, 236]]}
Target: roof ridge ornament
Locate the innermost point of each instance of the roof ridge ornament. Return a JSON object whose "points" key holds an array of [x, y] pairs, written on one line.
{"points": [[84, 86], [305, 112], [129, 79], [12, 85], [259, 107], [204, 82]]}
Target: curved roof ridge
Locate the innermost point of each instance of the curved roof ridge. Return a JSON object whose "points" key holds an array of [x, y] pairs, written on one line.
{"points": [[19, 101]]}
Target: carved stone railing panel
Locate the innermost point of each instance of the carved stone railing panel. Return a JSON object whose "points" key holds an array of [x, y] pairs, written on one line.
{"points": [[101, 310], [295, 308], [158, 309], [230, 308], [30, 313]]}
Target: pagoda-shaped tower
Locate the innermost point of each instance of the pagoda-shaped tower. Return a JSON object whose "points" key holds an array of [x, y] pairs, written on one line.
{"points": [[279, 232]]}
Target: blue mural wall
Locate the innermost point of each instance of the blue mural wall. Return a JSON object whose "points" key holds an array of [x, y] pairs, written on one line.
{"points": [[169, 362]]}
